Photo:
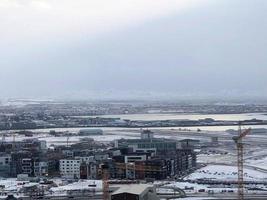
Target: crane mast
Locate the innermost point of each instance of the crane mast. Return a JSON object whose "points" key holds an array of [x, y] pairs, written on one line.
{"points": [[105, 183], [240, 168], [240, 160]]}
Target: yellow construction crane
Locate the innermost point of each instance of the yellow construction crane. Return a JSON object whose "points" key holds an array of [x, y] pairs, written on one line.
{"points": [[105, 183], [240, 160]]}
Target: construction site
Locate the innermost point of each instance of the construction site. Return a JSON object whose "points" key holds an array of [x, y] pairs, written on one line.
{"points": [[158, 164]]}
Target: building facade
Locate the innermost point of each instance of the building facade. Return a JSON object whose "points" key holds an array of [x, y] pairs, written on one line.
{"points": [[70, 168]]}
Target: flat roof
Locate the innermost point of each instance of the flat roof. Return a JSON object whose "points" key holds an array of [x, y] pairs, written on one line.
{"points": [[152, 140], [137, 189]]}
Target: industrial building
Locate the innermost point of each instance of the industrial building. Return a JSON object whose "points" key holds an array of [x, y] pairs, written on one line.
{"points": [[147, 141], [135, 192], [88, 132]]}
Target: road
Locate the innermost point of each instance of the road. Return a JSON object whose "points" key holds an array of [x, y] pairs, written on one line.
{"points": [[230, 196], [95, 197], [205, 196]]}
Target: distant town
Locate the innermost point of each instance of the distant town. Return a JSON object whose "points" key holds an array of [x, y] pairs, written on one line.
{"points": [[41, 115]]}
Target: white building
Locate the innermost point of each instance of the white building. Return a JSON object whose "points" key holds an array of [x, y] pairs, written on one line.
{"points": [[70, 168]]}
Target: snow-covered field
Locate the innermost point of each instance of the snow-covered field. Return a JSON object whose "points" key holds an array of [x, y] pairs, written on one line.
{"points": [[93, 185], [224, 172], [257, 158], [74, 139], [12, 185], [216, 158], [188, 187], [51, 140], [260, 163]]}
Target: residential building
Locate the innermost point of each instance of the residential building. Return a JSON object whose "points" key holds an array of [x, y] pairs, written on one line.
{"points": [[156, 169], [134, 158], [21, 163], [5, 160], [70, 168], [27, 166], [40, 168]]}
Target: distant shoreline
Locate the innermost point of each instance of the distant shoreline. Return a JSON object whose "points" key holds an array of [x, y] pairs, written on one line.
{"points": [[134, 127]]}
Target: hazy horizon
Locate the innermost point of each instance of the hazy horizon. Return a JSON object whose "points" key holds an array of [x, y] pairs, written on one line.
{"points": [[133, 49]]}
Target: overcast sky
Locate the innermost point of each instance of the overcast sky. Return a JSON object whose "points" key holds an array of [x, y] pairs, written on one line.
{"points": [[127, 48]]}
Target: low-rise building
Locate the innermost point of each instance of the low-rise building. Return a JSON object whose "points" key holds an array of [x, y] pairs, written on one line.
{"points": [[88, 132], [135, 192]]}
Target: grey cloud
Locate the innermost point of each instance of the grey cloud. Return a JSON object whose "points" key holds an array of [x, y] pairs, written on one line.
{"points": [[216, 49]]}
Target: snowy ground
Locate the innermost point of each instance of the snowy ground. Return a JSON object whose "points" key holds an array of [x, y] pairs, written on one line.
{"points": [[217, 172], [187, 187], [258, 158], [260, 163], [51, 140], [223, 172], [12, 185], [91, 185], [216, 158]]}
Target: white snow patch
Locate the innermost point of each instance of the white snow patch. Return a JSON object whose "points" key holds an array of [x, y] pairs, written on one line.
{"points": [[223, 172], [90, 185]]}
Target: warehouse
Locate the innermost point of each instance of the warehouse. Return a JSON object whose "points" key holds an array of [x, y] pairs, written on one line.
{"points": [[135, 192]]}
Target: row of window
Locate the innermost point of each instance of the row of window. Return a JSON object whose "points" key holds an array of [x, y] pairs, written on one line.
{"points": [[69, 168], [71, 172], [74, 165], [70, 161]]}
